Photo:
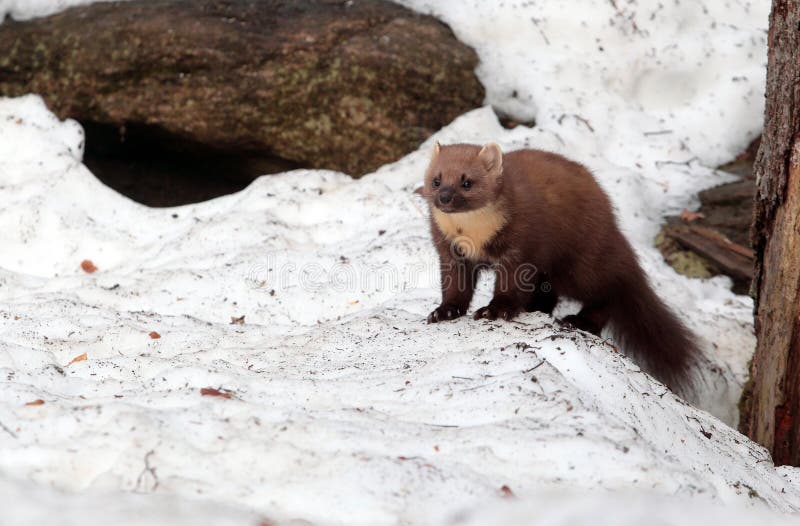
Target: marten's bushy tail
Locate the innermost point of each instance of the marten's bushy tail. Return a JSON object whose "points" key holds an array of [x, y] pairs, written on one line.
{"points": [[644, 326]]}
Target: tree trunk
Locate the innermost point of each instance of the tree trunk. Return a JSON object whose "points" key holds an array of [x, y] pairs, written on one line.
{"points": [[771, 409]]}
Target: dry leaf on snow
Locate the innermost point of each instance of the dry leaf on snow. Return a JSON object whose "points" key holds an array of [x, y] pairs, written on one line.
{"points": [[210, 391], [88, 266], [688, 216], [81, 358]]}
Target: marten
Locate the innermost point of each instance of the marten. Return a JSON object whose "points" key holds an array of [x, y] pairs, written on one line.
{"points": [[546, 229]]}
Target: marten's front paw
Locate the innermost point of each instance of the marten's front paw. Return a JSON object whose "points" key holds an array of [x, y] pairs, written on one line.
{"points": [[446, 312], [495, 311]]}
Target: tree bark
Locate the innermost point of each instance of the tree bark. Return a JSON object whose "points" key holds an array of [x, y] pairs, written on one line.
{"points": [[771, 408]]}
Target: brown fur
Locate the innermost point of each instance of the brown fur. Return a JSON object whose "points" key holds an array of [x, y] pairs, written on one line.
{"points": [[546, 229]]}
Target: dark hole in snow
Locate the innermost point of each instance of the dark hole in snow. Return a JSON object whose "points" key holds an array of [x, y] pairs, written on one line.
{"points": [[160, 169], [508, 122]]}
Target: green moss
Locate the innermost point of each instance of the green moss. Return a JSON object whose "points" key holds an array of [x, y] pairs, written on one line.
{"points": [[684, 262], [691, 265], [320, 125]]}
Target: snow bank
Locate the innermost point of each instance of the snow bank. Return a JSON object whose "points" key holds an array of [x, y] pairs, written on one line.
{"points": [[26, 504], [27, 9], [622, 509], [332, 401], [344, 407]]}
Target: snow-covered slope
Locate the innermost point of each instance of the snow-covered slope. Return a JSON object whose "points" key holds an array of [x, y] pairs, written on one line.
{"points": [[344, 408], [332, 401]]}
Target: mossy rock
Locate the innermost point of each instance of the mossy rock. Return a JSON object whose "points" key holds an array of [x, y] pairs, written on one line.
{"points": [[347, 86]]}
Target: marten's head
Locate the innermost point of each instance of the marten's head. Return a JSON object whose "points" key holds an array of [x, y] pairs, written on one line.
{"points": [[463, 177]]}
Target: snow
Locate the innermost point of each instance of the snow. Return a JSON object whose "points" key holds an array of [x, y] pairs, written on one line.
{"points": [[26, 504], [623, 509], [341, 405], [28, 9]]}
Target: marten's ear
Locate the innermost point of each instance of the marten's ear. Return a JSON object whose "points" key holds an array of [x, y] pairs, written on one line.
{"points": [[436, 149], [492, 158]]}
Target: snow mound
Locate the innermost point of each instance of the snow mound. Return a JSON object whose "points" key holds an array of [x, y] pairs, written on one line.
{"points": [[267, 350], [332, 400]]}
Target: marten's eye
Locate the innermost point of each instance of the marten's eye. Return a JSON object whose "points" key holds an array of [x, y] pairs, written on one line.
{"points": [[467, 184], [437, 181]]}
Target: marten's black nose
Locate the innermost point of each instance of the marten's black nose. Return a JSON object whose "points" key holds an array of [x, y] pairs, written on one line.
{"points": [[446, 196]]}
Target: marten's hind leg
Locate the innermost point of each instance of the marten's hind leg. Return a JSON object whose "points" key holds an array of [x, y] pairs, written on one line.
{"points": [[543, 299], [592, 318]]}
